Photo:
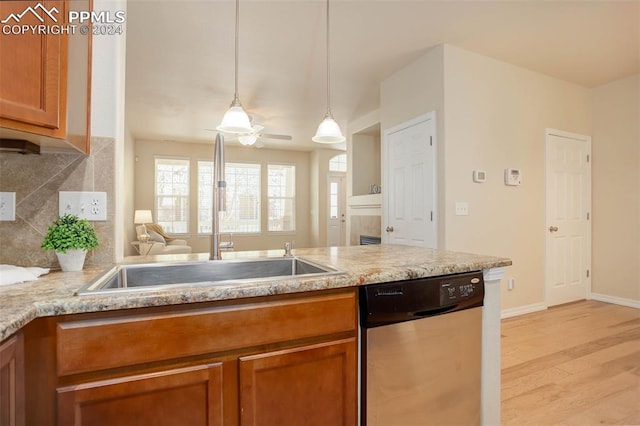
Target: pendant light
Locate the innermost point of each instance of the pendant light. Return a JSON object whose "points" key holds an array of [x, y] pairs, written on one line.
{"points": [[235, 120], [328, 130]]}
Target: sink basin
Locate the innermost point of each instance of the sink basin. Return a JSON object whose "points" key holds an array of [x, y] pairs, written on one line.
{"points": [[219, 272]]}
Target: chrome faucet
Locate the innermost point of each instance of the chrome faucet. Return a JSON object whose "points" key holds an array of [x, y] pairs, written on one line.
{"points": [[219, 195], [287, 249]]}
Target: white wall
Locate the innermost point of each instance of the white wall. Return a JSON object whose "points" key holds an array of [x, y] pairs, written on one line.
{"points": [[490, 115], [495, 118], [107, 108], [615, 111], [412, 91]]}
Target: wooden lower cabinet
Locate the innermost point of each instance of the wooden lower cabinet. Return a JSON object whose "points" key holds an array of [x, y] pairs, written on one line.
{"points": [[278, 360], [12, 382], [310, 385], [187, 396]]}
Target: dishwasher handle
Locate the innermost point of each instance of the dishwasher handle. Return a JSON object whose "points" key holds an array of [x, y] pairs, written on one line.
{"points": [[434, 312]]}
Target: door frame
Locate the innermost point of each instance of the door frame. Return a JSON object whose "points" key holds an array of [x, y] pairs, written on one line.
{"points": [[384, 148], [547, 254]]}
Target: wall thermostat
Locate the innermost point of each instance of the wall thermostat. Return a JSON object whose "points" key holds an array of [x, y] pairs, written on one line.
{"points": [[479, 176], [512, 177]]}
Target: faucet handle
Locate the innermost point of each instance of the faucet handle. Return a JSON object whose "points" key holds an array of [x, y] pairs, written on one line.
{"points": [[287, 249]]}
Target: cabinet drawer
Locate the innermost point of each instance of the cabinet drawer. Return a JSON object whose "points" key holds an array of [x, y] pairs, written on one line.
{"points": [[102, 343]]}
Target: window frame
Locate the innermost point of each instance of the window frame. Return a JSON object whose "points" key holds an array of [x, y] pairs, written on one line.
{"points": [[293, 198], [187, 160], [259, 197], [198, 162]]}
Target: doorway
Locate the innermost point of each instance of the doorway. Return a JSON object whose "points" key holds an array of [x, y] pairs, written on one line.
{"points": [[336, 218], [409, 187], [568, 217]]}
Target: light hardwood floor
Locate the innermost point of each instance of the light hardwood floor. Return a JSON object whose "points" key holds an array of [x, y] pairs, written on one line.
{"points": [[576, 364]]}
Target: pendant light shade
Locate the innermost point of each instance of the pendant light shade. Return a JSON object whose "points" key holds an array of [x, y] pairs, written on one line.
{"points": [[328, 130], [236, 120]]}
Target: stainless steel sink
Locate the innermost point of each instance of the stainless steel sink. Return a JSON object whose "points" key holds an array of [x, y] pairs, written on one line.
{"points": [[150, 276]]}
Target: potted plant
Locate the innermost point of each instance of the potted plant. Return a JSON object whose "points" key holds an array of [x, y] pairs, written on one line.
{"points": [[70, 237]]}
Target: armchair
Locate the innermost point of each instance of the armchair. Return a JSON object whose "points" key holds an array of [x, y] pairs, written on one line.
{"points": [[163, 244]]}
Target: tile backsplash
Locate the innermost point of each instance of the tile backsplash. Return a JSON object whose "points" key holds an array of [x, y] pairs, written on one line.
{"points": [[36, 180]]}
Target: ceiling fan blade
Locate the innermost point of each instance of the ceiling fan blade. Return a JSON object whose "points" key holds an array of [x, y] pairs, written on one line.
{"points": [[271, 136]]}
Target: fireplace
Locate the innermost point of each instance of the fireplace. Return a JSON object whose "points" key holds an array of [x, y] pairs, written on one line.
{"points": [[368, 239]]}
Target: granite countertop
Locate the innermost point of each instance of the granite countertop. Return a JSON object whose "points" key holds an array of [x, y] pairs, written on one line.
{"points": [[53, 294]]}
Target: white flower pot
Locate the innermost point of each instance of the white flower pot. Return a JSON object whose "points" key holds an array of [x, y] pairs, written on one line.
{"points": [[72, 260]]}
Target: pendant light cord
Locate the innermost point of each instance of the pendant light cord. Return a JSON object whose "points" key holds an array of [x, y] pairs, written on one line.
{"points": [[328, 74], [235, 95]]}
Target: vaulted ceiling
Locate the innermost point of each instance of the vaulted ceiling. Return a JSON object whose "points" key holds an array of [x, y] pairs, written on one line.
{"points": [[180, 55]]}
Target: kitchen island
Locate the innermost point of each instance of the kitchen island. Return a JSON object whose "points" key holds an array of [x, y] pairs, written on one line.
{"points": [[53, 297]]}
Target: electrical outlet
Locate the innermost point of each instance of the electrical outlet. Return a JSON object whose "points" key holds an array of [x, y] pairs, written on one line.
{"points": [[462, 208], [7, 206], [510, 284], [86, 205]]}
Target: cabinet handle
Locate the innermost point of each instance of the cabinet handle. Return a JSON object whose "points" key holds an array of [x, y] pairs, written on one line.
{"points": [[389, 228], [553, 229]]}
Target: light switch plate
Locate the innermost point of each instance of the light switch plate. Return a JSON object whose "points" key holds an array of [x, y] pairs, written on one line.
{"points": [[7, 206], [85, 205], [462, 208]]}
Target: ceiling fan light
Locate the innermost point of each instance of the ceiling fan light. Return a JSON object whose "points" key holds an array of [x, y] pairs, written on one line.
{"points": [[328, 132], [247, 140], [235, 120]]}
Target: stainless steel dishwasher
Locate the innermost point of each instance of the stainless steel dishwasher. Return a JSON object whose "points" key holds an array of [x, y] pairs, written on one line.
{"points": [[421, 351]]}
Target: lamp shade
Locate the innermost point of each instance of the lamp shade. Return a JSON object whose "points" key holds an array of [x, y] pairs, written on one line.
{"points": [[247, 140], [328, 132], [235, 120], [142, 217]]}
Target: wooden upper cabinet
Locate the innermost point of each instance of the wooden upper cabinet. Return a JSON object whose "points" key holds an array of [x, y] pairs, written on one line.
{"points": [[44, 74]]}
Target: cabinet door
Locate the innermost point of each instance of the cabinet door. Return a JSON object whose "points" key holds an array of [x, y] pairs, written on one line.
{"points": [[187, 396], [12, 382], [310, 385], [33, 67]]}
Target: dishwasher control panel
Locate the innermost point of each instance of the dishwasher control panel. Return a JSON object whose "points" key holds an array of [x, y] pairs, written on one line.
{"points": [[388, 303], [456, 290]]}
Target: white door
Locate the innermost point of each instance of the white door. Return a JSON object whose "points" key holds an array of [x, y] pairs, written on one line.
{"points": [[568, 205], [409, 187], [336, 222]]}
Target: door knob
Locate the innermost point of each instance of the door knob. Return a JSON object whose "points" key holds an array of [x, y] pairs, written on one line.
{"points": [[553, 229], [389, 228]]}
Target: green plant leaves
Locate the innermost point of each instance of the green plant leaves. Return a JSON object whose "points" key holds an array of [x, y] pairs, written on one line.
{"points": [[69, 232]]}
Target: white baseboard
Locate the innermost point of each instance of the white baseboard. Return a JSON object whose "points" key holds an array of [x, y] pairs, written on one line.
{"points": [[616, 300], [521, 310]]}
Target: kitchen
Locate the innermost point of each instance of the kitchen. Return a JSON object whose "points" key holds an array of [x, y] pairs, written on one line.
{"points": [[485, 129]]}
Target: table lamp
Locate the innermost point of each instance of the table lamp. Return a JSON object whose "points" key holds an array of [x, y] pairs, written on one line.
{"points": [[142, 217]]}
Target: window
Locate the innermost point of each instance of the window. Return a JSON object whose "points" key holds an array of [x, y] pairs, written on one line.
{"points": [[205, 196], [242, 214], [172, 194], [281, 193], [333, 200], [338, 163]]}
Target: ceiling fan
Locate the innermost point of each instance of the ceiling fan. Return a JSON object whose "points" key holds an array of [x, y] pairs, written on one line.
{"points": [[251, 138], [248, 139]]}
